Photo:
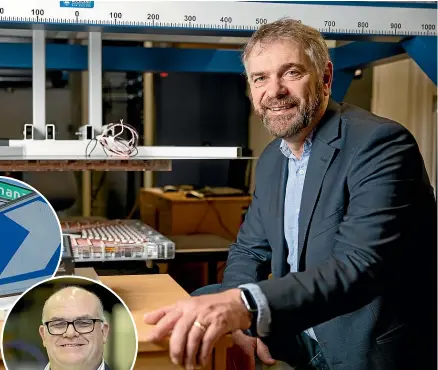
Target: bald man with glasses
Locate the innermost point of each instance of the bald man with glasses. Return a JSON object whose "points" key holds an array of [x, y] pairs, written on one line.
{"points": [[74, 330]]}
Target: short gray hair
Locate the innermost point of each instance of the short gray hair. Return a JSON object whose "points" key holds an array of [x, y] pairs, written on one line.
{"points": [[290, 29], [100, 311]]}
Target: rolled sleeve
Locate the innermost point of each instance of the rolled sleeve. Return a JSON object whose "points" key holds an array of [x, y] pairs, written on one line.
{"points": [[264, 312]]}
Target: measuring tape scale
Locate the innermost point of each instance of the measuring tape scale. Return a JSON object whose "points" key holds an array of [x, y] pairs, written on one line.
{"points": [[227, 16]]}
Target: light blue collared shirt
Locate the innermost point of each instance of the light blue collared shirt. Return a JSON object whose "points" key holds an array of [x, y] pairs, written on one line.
{"points": [[294, 189]]}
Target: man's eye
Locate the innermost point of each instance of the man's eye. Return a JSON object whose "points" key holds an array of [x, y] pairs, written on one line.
{"points": [[292, 73], [83, 323], [258, 79]]}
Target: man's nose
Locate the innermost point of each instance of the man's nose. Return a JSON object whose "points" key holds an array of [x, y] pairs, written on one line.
{"points": [[276, 88], [71, 332]]}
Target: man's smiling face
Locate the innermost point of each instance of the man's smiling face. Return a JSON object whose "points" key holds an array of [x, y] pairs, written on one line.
{"points": [[71, 349], [285, 89]]}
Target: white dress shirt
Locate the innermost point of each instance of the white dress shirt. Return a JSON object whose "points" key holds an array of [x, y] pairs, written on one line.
{"points": [[101, 367]]}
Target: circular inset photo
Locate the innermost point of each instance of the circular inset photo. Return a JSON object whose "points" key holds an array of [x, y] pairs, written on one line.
{"points": [[67, 323], [31, 240]]}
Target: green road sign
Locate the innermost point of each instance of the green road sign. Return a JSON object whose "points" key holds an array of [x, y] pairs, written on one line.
{"points": [[12, 192]]}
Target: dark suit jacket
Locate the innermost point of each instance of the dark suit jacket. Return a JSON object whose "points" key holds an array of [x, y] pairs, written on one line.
{"points": [[367, 247]]}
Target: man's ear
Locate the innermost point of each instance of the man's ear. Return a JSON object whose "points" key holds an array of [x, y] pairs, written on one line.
{"points": [[42, 334], [328, 79], [105, 331]]}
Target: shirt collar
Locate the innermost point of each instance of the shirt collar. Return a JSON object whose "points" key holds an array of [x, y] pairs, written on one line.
{"points": [[101, 367], [284, 148]]}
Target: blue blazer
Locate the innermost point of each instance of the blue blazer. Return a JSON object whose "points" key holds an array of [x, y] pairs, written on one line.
{"points": [[367, 247]]}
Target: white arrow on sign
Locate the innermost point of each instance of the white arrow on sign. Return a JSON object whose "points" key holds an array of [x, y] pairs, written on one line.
{"points": [[40, 244]]}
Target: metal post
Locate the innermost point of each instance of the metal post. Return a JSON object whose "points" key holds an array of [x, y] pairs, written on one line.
{"points": [[86, 175], [39, 83], [86, 193], [95, 80], [148, 117], [94, 106]]}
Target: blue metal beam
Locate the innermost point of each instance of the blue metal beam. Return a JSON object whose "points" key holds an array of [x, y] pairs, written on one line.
{"points": [[115, 58], [341, 82], [126, 59], [423, 50], [360, 53], [346, 59], [122, 58]]}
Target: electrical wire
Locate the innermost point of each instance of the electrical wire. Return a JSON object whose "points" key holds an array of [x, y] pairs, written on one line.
{"points": [[92, 150], [112, 141]]}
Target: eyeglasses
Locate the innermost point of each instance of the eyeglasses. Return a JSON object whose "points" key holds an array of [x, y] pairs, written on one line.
{"points": [[60, 327]]}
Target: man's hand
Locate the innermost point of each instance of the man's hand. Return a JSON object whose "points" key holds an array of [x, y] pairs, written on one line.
{"points": [[196, 324], [250, 346]]}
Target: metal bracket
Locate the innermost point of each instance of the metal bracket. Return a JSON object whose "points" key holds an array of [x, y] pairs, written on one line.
{"points": [[423, 50]]}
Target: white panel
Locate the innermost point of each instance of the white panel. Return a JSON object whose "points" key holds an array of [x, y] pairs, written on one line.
{"points": [[39, 83], [403, 92]]}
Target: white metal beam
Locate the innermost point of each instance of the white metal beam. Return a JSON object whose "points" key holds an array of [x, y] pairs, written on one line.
{"points": [[39, 83], [95, 81], [78, 149]]}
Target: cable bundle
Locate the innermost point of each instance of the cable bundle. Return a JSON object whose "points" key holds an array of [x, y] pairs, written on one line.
{"points": [[112, 141]]}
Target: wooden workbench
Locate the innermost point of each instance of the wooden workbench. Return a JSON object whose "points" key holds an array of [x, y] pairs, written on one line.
{"points": [[176, 216], [172, 213], [144, 293]]}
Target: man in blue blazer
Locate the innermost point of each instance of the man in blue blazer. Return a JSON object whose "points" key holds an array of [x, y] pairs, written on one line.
{"points": [[343, 215]]}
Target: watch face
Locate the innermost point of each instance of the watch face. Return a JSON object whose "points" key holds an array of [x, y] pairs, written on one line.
{"points": [[249, 300]]}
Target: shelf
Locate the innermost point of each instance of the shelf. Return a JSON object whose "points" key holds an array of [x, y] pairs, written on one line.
{"points": [[70, 155], [18, 165], [82, 150]]}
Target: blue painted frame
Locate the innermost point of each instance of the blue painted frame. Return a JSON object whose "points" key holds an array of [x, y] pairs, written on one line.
{"points": [[124, 58], [138, 59], [341, 83], [345, 58], [423, 50], [361, 53]]}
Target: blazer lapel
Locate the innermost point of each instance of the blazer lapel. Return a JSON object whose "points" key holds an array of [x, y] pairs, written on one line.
{"points": [[276, 201], [324, 147]]}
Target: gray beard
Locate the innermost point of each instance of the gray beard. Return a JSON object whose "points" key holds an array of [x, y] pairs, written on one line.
{"points": [[292, 124]]}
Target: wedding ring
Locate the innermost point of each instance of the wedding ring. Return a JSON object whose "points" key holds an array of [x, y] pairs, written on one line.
{"points": [[199, 325]]}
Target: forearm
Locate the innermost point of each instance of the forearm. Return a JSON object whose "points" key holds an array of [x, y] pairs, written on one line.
{"points": [[244, 266], [249, 257], [249, 263]]}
